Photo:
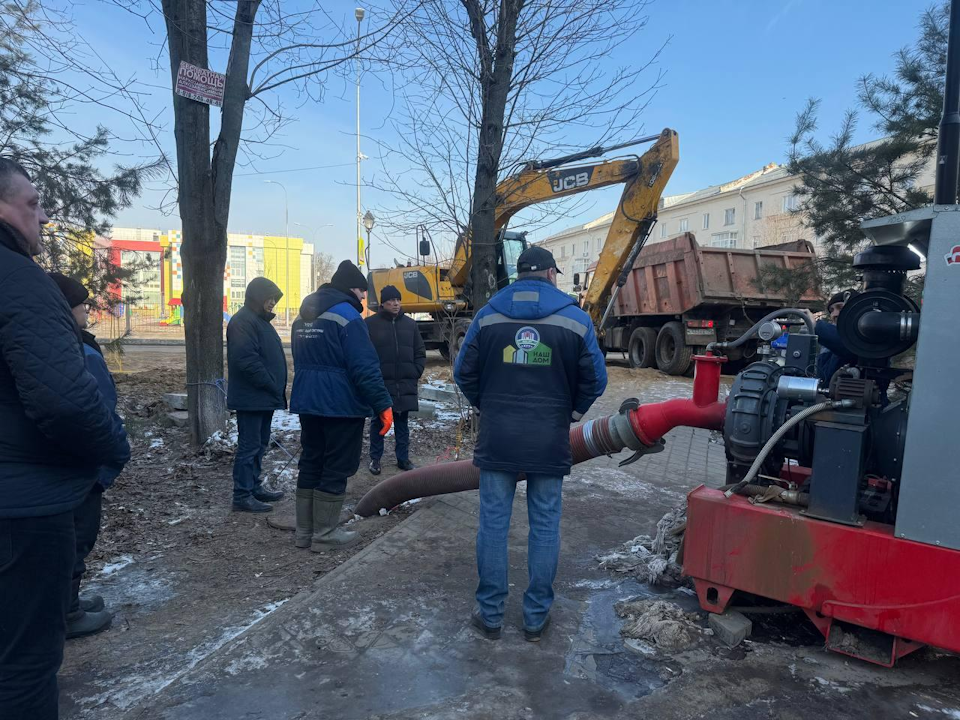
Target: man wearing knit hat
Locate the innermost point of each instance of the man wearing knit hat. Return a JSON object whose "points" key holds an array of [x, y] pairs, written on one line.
{"points": [[402, 357], [87, 615], [337, 385]]}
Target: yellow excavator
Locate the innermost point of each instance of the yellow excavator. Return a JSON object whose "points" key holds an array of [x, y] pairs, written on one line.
{"points": [[441, 292]]}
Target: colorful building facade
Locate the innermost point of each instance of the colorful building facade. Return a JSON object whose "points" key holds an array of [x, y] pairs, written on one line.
{"points": [[158, 282]]}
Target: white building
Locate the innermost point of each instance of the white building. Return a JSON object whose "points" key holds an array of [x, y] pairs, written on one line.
{"points": [[750, 212]]}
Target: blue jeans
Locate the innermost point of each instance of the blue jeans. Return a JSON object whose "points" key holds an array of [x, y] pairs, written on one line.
{"points": [[401, 433], [543, 544], [253, 439]]}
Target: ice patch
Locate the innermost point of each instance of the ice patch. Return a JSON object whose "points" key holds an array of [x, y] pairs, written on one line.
{"points": [[135, 688], [949, 712], [116, 566], [594, 584], [156, 443], [830, 684]]}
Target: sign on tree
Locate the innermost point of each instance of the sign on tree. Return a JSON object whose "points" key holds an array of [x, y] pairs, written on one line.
{"points": [[200, 84]]}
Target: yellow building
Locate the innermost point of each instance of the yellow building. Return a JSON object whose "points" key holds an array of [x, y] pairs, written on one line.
{"points": [[287, 261]]}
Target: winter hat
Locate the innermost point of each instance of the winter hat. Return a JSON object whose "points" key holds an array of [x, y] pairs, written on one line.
{"points": [[347, 277], [389, 292], [840, 297], [73, 291]]}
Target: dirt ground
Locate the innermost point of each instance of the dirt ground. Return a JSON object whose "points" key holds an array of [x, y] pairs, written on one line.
{"points": [[181, 572]]}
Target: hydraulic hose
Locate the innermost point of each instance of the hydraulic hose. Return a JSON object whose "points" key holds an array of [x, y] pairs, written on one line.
{"points": [[636, 427], [778, 436], [797, 312]]}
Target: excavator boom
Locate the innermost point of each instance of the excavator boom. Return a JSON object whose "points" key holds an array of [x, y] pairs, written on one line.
{"points": [[541, 181], [634, 219]]}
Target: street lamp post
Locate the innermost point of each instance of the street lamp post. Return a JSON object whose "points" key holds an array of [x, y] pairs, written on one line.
{"points": [[286, 246], [368, 222], [358, 13]]}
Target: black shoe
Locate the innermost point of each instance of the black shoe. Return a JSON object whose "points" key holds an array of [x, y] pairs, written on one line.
{"points": [[405, 465], [82, 623], [374, 467], [490, 633], [91, 603], [251, 505], [535, 635], [264, 494]]}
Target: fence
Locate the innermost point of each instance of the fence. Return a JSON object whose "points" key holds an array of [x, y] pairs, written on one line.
{"points": [[151, 322]]}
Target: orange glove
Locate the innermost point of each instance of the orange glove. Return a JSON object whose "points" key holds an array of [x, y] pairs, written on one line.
{"points": [[386, 420]]}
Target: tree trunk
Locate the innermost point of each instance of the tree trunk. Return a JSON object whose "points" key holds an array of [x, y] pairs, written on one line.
{"points": [[496, 76], [205, 187], [204, 248]]}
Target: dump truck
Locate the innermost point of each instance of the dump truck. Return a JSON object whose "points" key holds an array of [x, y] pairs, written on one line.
{"points": [[680, 296]]}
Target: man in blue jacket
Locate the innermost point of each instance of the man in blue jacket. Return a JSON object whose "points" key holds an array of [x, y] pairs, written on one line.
{"points": [[87, 614], [256, 387], [833, 353], [57, 434], [531, 365], [337, 385]]}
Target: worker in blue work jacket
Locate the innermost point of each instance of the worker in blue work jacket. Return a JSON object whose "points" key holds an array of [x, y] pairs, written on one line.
{"points": [[531, 365], [337, 385]]}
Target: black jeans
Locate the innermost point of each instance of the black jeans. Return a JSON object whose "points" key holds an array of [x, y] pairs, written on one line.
{"points": [[253, 439], [331, 452], [36, 564], [86, 522], [401, 431]]}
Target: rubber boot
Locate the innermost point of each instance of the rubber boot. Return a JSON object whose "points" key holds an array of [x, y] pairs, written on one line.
{"points": [[91, 603], [304, 533], [82, 623], [327, 533]]}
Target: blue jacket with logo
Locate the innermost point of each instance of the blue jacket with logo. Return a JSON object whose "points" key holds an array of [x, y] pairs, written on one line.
{"points": [[530, 363], [336, 368]]}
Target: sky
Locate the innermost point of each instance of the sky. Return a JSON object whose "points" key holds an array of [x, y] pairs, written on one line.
{"points": [[736, 72]]}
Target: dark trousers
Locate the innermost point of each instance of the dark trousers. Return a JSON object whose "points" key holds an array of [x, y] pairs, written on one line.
{"points": [[36, 564], [401, 430], [86, 522], [253, 439], [331, 452]]}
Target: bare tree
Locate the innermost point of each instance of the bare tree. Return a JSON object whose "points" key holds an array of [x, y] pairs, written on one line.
{"points": [[492, 83], [269, 45], [324, 266]]}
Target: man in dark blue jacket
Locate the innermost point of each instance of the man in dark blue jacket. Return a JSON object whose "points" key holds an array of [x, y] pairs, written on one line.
{"points": [[256, 387], [87, 614], [833, 353], [531, 365], [57, 434], [337, 385]]}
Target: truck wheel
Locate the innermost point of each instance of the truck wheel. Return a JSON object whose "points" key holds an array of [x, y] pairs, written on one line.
{"points": [[673, 353], [642, 348], [444, 351], [456, 342]]}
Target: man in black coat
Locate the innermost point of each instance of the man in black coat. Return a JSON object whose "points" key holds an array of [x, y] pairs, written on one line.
{"points": [[402, 356], [57, 434], [256, 387]]}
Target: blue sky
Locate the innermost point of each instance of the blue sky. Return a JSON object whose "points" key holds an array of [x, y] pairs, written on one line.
{"points": [[737, 72]]}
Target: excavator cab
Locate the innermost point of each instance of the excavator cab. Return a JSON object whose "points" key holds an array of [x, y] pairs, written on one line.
{"points": [[509, 245]]}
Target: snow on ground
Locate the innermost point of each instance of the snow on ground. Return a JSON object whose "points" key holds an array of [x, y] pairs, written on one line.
{"points": [[285, 421]]}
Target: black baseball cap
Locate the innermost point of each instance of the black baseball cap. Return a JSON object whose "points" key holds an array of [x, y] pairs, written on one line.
{"points": [[536, 258]]}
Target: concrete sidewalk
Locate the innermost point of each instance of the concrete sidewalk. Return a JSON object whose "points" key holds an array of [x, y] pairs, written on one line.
{"points": [[387, 634]]}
